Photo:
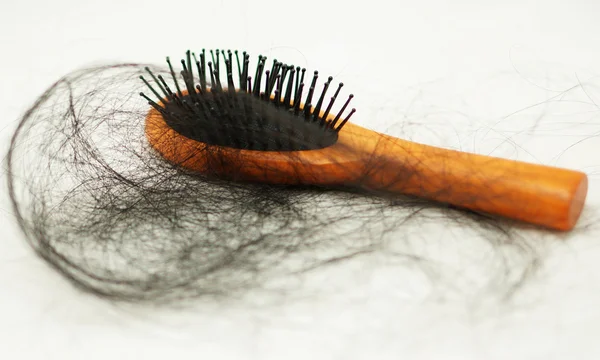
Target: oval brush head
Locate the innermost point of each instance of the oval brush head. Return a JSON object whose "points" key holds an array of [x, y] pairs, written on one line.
{"points": [[253, 116], [266, 134]]}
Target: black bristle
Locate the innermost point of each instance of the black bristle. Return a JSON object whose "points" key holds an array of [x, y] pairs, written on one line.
{"points": [[157, 82], [203, 68], [326, 113], [273, 71], [297, 84], [307, 111], [276, 99], [337, 117], [317, 111], [278, 90], [177, 99], [154, 105], [301, 80], [258, 77], [288, 93], [312, 87], [200, 75], [218, 80], [297, 101], [218, 63], [331, 102], [189, 65], [212, 56], [213, 84], [345, 120], [338, 90], [244, 76], [188, 84], [267, 92], [254, 114], [245, 65], [284, 72], [230, 84], [188, 77], [174, 77], [167, 89], [150, 87]]}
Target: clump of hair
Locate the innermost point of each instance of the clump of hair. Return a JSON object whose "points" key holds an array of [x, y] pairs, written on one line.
{"points": [[101, 207]]}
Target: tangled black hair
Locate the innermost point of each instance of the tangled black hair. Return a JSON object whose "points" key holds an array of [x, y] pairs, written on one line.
{"points": [[98, 204]]}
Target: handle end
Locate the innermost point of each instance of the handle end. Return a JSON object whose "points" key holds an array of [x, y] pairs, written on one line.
{"points": [[576, 206]]}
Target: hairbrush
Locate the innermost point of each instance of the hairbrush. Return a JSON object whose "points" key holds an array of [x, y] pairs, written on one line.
{"points": [[260, 130]]}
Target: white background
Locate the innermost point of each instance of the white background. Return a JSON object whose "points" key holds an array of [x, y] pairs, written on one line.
{"points": [[484, 76]]}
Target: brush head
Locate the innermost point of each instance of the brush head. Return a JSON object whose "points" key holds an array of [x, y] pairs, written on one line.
{"points": [[266, 114]]}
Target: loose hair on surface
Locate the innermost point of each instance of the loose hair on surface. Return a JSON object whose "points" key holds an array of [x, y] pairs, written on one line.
{"points": [[104, 209]]}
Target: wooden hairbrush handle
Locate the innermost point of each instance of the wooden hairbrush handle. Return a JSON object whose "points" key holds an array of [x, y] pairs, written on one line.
{"points": [[537, 194]]}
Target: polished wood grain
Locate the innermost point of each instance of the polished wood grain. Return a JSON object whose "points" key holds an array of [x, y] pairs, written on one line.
{"points": [[546, 196]]}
